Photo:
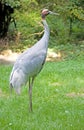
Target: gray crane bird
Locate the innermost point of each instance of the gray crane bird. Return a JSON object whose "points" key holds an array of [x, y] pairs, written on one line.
{"points": [[31, 61]]}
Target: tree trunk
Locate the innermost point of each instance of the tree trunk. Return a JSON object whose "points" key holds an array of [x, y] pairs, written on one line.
{"points": [[5, 19]]}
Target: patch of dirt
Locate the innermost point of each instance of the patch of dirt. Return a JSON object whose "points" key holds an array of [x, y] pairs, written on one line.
{"points": [[9, 57], [73, 94]]}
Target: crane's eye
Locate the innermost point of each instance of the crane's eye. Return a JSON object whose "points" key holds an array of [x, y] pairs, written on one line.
{"points": [[47, 12]]}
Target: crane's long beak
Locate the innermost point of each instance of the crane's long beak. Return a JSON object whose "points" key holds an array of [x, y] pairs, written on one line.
{"points": [[50, 12]]}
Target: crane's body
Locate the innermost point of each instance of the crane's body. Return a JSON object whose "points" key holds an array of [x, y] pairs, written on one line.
{"points": [[30, 62]]}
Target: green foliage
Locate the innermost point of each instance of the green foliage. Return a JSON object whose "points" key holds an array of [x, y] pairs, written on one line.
{"points": [[77, 12], [27, 5], [12, 3], [65, 28]]}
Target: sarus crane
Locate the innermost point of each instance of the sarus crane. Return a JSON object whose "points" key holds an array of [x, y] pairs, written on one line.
{"points": [[30, 62]]}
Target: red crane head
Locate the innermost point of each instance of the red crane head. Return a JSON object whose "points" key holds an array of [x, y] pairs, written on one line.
{"points": [[45, 12]]}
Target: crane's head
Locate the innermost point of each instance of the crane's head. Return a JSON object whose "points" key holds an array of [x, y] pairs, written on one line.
{"points": [[45, 12]]}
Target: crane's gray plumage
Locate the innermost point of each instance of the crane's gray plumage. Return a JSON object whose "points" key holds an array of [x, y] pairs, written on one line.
{"points": [[30, 62]]}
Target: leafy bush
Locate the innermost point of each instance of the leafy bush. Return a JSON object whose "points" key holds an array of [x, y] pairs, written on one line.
{"points": [[29, 27]]}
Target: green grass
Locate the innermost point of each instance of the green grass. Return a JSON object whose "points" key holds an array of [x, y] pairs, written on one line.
{"points": [[58, 99]]}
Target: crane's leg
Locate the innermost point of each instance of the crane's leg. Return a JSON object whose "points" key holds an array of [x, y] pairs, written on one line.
{"points": [[30, 92]]}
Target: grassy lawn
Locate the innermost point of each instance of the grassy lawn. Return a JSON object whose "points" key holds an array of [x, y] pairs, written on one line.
{"points": [[58, 99]]}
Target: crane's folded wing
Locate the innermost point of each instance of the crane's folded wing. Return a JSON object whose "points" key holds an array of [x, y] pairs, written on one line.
{"points": [[31, 64]]}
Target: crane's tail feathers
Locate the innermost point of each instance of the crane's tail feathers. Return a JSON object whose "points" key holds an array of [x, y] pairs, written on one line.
{"points": [[16, 89]]}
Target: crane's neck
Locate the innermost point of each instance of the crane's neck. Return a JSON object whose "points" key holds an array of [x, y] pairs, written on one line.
{"points": [[46, 33], [47, 30]]}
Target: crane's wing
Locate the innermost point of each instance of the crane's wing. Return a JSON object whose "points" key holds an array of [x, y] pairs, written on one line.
{"points": [[31, 62]]}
